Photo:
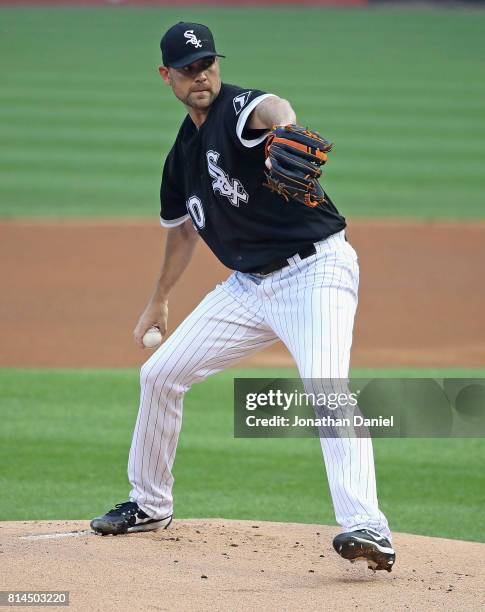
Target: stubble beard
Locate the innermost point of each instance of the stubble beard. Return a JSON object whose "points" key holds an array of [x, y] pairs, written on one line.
{"points": [[199, 104]]}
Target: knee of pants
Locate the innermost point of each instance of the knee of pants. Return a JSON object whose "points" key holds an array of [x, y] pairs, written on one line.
{"points": [[164, 374]]}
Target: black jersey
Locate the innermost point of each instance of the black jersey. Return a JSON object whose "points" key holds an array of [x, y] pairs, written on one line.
{"points": [[215, 175]]}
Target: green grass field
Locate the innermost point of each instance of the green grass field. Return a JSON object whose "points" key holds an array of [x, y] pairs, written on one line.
{"points": [[65, 437], [86, 121]]}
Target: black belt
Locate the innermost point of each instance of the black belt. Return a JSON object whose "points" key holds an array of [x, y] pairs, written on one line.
{"points": [[305, 252]]}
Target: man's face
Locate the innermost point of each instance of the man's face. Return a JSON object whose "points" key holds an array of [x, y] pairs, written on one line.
{"points": [[196, 85]]}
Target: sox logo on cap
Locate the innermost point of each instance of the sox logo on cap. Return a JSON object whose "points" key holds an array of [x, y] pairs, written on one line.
{"points": [[193, 40]]}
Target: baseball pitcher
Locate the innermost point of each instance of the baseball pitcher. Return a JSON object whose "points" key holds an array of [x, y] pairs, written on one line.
{"points": [[244, 176]]}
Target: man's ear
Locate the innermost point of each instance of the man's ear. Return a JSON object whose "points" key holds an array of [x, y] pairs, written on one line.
{"points": [[164, 73]]}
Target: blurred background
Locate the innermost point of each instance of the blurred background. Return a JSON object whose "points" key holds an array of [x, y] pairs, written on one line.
{"points": [[85, 125], [86, 120]]}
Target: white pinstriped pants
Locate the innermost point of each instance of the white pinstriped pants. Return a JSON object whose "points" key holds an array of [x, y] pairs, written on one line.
{"points": [[310, 306]]}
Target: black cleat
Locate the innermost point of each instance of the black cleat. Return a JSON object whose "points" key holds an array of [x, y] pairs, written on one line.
{"points": [[367, 545], [127, 518]]}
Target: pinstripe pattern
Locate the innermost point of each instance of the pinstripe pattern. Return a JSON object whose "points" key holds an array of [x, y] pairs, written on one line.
{"points": [[309, 305]]}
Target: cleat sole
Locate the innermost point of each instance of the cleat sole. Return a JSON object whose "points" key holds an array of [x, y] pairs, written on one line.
{"points": [[377, 557]]}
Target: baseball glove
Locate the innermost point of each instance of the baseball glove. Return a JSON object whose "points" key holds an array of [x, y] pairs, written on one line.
{"points": [[294, 156]]}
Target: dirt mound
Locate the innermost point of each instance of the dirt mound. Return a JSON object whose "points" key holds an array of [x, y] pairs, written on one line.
{"points": [[225, 565]]}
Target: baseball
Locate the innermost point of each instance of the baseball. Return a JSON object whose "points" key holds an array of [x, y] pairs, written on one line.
{"points": [[152, 338]]}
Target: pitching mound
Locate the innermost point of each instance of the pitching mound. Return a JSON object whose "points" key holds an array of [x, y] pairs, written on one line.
{"points": [[234, 565]]}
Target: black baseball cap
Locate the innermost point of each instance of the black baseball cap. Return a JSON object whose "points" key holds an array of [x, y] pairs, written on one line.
{"points": [[185, 43]]}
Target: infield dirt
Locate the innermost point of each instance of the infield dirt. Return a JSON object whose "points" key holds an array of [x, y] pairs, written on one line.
{"points": [[73, 290], [225, 565]]}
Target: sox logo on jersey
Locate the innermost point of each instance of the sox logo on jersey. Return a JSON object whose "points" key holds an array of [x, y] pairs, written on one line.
{"points": [[193, 40], [232, 189]]}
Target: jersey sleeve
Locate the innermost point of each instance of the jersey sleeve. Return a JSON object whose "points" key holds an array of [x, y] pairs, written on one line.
{"points": [[173, 211], [237, 113]]}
